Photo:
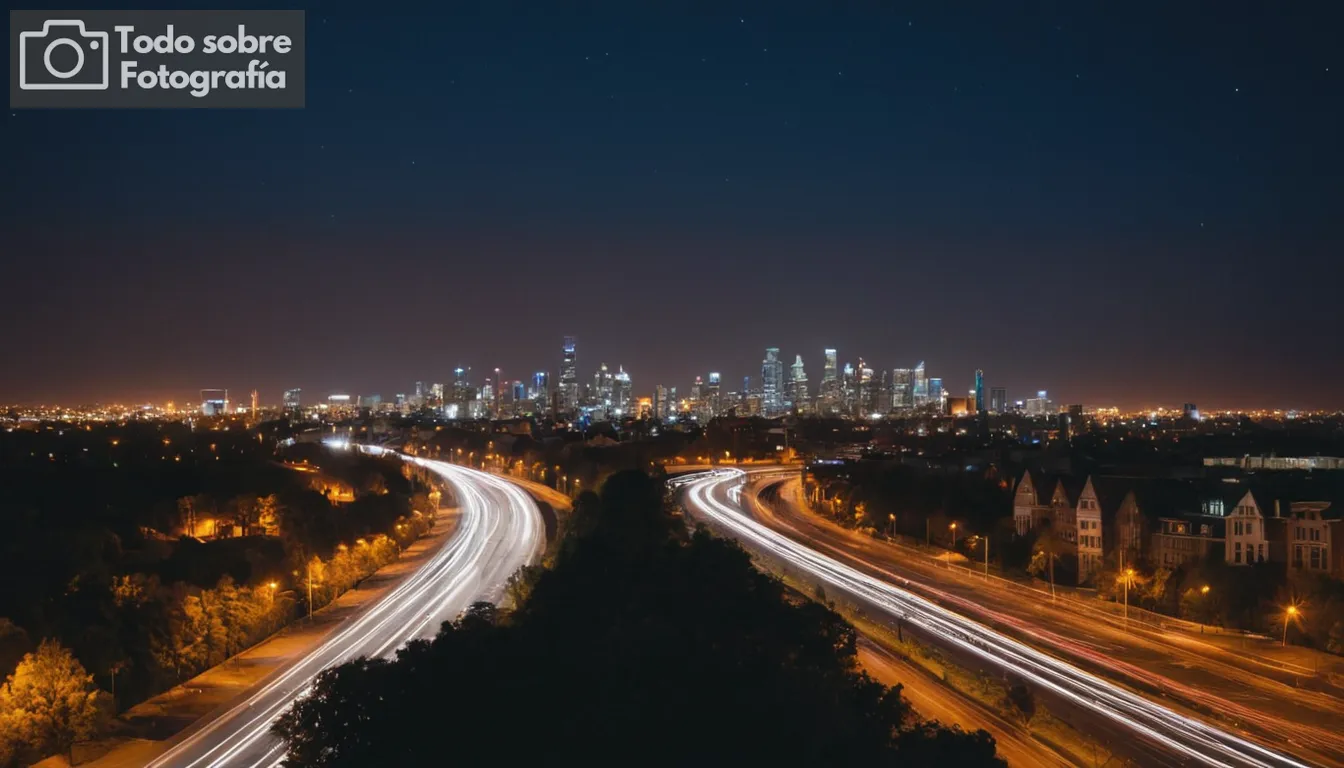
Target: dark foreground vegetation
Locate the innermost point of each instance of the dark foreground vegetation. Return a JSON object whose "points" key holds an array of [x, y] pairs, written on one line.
{"points": [[643, 645], [137, 555]]}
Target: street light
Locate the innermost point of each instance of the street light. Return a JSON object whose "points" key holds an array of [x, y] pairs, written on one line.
{"points": [[1129, 574], [986, 558], [892, 519], [1288, 613], [953, 528]]}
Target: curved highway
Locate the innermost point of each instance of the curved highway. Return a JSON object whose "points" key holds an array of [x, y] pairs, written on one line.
{"points": [[716, 497], [499, 530]]}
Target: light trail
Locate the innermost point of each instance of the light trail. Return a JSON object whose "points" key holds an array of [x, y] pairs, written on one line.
{"points": [[499, 530], [1187, 737]]}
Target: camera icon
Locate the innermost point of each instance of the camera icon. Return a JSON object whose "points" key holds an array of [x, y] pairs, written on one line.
{"points": [[64, 56]]}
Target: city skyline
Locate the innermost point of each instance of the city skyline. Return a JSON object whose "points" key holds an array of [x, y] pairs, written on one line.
{"points": [[571, 354], [1066, 200]]}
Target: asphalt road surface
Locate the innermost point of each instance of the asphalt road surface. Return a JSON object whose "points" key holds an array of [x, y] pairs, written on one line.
{"points": [[500, 530], [1167, 736]]}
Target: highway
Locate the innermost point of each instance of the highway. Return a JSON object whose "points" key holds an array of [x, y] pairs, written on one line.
{"points": [[500, 529], [1169, 736], [1238, 684]]}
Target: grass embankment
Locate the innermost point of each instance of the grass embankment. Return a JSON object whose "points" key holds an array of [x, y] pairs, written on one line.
{"points": [[979, 686]]}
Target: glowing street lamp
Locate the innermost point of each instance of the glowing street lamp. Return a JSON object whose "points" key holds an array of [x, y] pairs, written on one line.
{"points": [[1289, 613], [1127, 577]]}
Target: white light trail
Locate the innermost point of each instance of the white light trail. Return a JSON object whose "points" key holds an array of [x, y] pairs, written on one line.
{"points": [[499, 530], [1186, 736]]}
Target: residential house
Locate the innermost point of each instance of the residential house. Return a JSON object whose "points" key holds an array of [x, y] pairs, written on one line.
{"points": [[1184, 540], [1087, 518], [1125, 528], [1031, 501], [1064, 510], [1314, 537], [1256, 531]]}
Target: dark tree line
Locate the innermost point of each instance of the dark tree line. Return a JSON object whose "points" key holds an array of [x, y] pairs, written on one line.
{"points": [[643, 645], [90, 544]]}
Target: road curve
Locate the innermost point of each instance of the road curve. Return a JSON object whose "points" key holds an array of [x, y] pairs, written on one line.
{"points": [[500, 529], [716, 498]]}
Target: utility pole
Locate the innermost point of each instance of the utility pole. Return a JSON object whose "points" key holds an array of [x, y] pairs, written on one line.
{"points": [[986, 559], [310, 591]]}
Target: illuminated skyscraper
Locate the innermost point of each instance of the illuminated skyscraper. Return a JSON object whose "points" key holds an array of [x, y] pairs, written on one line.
{"points": [[902, 389], [980, 405], [1039, 405], [921, 386], [712, 397], [798, 384], [293, 399], [829, 372], [621, 396], [462, 393], [772, 382], [603, 386], [935, 392], [569, 376], [659, 402]]}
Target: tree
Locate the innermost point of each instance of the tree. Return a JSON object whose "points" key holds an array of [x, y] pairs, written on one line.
{"points": [[1047, 551], [522, 582], [637, 622], [269, 514], [1022, 700], [51, 702]]}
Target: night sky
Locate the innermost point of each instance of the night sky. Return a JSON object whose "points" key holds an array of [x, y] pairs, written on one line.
{"points": [[1133, 204]]}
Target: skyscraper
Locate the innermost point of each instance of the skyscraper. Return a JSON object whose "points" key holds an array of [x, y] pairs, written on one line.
{"points": [[935, 392], [980, 404], [462, 394], [541, 390], [603, 387], [772, 381], [998, 400], [659, 402], [293, 399], [921, 386], [622, 397], [799, 382], [902, 389], [712, 398], [830, 372], [569, 376]]}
